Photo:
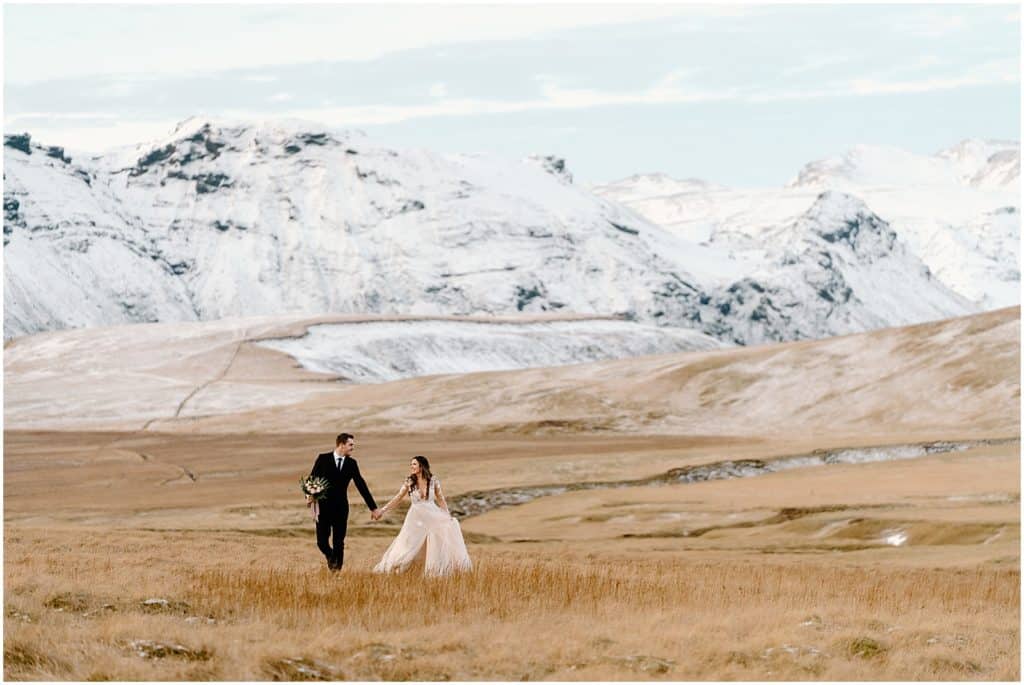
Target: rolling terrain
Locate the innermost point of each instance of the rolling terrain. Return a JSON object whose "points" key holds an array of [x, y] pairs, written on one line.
{"points": [[836, 509]]}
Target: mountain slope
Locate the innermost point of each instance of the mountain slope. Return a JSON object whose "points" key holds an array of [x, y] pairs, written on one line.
{"points": [[246, 220], [123, 376], [952, 379], [957, 211], [376, 352], [238, 219], [837, 268]]}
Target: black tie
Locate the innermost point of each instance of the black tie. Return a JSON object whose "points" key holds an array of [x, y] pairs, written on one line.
{"points": [[339, 463]]}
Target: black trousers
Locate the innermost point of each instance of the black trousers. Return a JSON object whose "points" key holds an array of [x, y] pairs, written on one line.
{"points": [[336, 523]]}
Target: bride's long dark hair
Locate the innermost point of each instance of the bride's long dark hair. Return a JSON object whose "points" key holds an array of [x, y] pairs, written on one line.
{"points": [[424, 473]]}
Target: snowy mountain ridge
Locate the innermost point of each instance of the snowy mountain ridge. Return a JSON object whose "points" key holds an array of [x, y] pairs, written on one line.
{"points": [[957, 210], [224, 219]]}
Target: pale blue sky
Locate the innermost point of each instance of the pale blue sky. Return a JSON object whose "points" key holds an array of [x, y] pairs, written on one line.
{"points": [[739, 95]]}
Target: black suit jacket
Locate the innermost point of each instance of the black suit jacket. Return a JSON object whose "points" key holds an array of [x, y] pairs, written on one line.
{"points": [[335, 504]]}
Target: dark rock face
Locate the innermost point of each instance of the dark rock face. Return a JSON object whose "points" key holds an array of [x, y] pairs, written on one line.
{"points": [[12, 216], [406, 206], [21, 142], [315, 138], [372, 175], [554, 166], [831, 286], [746, 305], [200, 136], [208, 183], [154, 157], [208, 143], [179, 268], [867, 234], [57, 153], [11, 206], [863, 232], [524, 296], [227, 224], [624, 229], [321, 139], [677, 287], [201, 146]]}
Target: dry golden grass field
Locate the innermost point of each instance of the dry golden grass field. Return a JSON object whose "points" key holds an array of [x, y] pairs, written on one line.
{"points": [[174, 544]]}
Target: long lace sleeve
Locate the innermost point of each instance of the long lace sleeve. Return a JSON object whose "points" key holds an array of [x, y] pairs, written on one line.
{"points": [[394, 500], [440, 495]]}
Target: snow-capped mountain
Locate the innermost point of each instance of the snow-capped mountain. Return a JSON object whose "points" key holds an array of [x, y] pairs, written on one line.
{"points": [[992, 163], [957, 210], [228, 219], [236, 220], [838, 267], [874, 165], [641, 186], [985, 163]]}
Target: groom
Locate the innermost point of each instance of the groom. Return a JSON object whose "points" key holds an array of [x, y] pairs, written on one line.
{"points": [[338, 467]]}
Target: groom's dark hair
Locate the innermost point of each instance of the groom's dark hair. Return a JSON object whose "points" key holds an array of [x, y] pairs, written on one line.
{"points": [[343, 438]]}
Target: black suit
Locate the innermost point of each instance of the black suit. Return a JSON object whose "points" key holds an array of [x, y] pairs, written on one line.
{"points": [[334, 507]]}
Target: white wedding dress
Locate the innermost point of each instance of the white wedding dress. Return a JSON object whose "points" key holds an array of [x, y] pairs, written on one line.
{"points": [[426, 524]]}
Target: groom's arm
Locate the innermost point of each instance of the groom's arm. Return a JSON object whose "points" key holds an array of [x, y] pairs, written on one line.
{"points": [[361, 487], [313, 472]]}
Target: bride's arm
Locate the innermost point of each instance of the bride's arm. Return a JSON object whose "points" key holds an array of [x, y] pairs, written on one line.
{"points": [[440, 497], [402, 492]]}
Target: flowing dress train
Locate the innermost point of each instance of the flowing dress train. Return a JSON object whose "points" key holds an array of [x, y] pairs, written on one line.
{"points": [[426, 524]]}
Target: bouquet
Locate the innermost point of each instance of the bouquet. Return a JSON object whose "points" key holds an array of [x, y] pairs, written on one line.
{"points": [[315, 489]]}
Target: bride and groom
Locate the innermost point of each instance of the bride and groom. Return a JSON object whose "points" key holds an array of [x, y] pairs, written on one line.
{"points": [[428, 528]]}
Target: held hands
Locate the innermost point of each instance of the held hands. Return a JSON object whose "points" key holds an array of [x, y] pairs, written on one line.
{"points": [[376, 514]]}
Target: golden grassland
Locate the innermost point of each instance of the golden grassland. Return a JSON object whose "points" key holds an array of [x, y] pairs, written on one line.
{"points": [[243, 609], [780, 577]]}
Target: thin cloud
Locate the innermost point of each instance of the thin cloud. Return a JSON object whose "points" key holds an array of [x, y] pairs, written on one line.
{"points": [[98, 138], [293, 35], [668, 90], [994, 73], [817, 64], [22, 117], [936, 25]]}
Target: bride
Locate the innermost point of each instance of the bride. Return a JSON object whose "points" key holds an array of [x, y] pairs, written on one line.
{"points": [[428, 523]]}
